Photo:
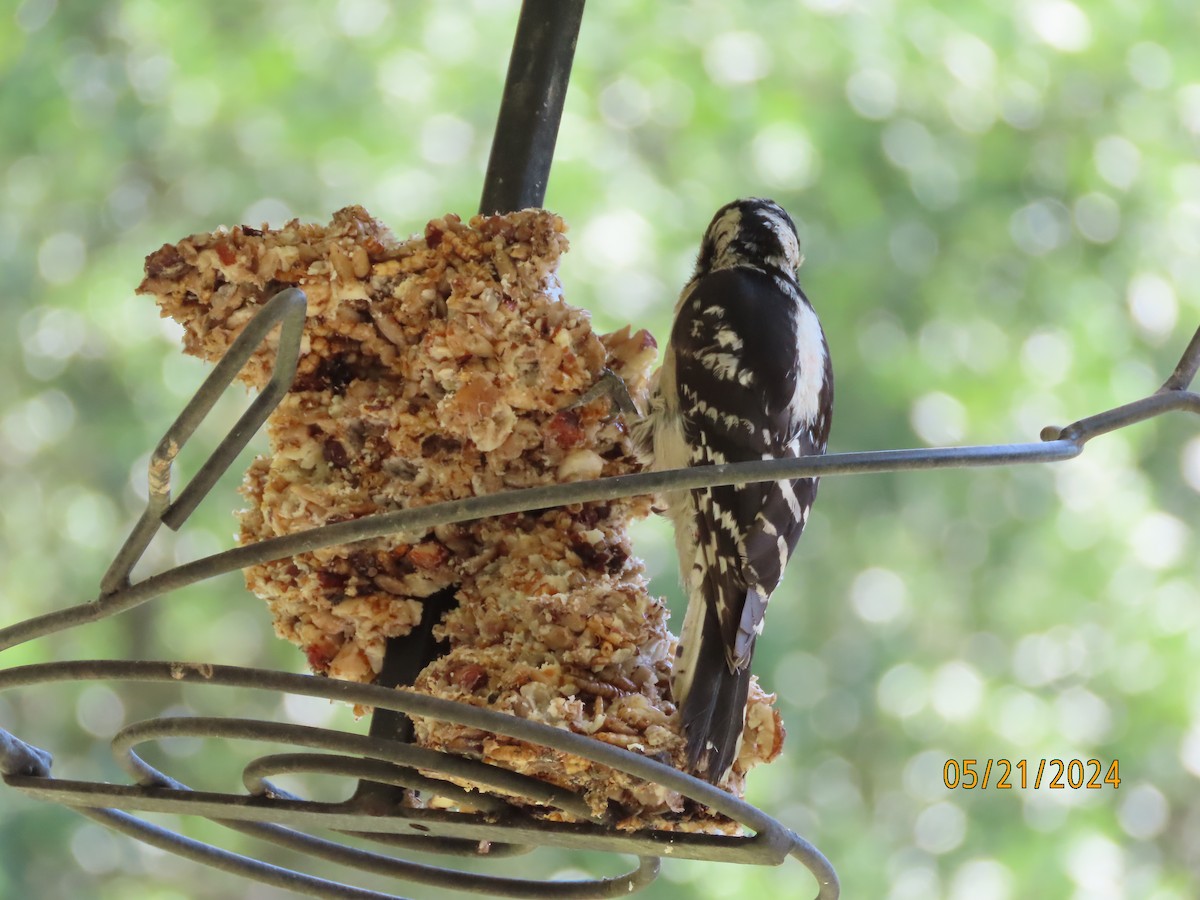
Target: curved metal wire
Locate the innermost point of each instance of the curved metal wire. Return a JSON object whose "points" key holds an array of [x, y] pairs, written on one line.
{"points": [[156, 792], [1057, 444], [287, 309], [310, 885]]}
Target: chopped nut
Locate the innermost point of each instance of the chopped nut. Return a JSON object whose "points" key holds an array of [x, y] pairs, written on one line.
{"points": [[580, 464], [428, 555], [566, 429]]}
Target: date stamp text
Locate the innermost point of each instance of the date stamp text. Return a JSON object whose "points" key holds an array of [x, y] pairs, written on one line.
{"points": [[1056, 774]]}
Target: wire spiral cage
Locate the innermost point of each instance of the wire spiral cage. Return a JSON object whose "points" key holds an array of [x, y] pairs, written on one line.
{"points": [[384, 763]]}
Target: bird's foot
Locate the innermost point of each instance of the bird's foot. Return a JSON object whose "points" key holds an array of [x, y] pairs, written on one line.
{"points": [[611, 386]]}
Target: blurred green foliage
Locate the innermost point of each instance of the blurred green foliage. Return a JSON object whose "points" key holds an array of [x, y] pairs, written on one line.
{"points": [[1000, 204]]}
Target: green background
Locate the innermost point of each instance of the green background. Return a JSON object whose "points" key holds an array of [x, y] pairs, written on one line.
{"points": [[1000, 206]]}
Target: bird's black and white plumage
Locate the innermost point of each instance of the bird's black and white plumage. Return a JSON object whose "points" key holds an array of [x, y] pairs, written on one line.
{"points": [[746, 376]]}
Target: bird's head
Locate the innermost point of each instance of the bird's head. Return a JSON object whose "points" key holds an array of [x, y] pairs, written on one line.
{"points": [[754, 232]]}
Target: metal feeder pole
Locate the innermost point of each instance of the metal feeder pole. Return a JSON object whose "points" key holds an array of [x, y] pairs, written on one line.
{"points": [[531, 108]]}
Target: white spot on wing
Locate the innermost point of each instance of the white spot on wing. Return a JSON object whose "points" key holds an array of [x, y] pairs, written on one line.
{"points": [[728, 338], [725, 366], [789, 497], [729, 421]]}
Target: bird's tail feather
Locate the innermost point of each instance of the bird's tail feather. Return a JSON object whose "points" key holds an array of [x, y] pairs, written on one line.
{"points": [[713, 709]]}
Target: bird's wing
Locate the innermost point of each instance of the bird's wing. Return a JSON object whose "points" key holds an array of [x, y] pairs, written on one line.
{"points": [[733, 412]]}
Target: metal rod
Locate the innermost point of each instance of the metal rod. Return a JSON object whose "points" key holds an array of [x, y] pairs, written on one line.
{"points": [[492, 777], [233, 863], [423, 518], [436, 826], [255, 777], [362, 861], [312, 886], [292, 306], [404, 658], [1123, 416], [20, 758], [287, 306], [243, 866], [531, 107], [1189, 363]]}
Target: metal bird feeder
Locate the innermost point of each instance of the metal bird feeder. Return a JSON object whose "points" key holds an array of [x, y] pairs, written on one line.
{"points": [[384, 763]]}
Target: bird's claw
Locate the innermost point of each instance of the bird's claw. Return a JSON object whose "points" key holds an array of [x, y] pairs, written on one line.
{"points": [[611, 386]]}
